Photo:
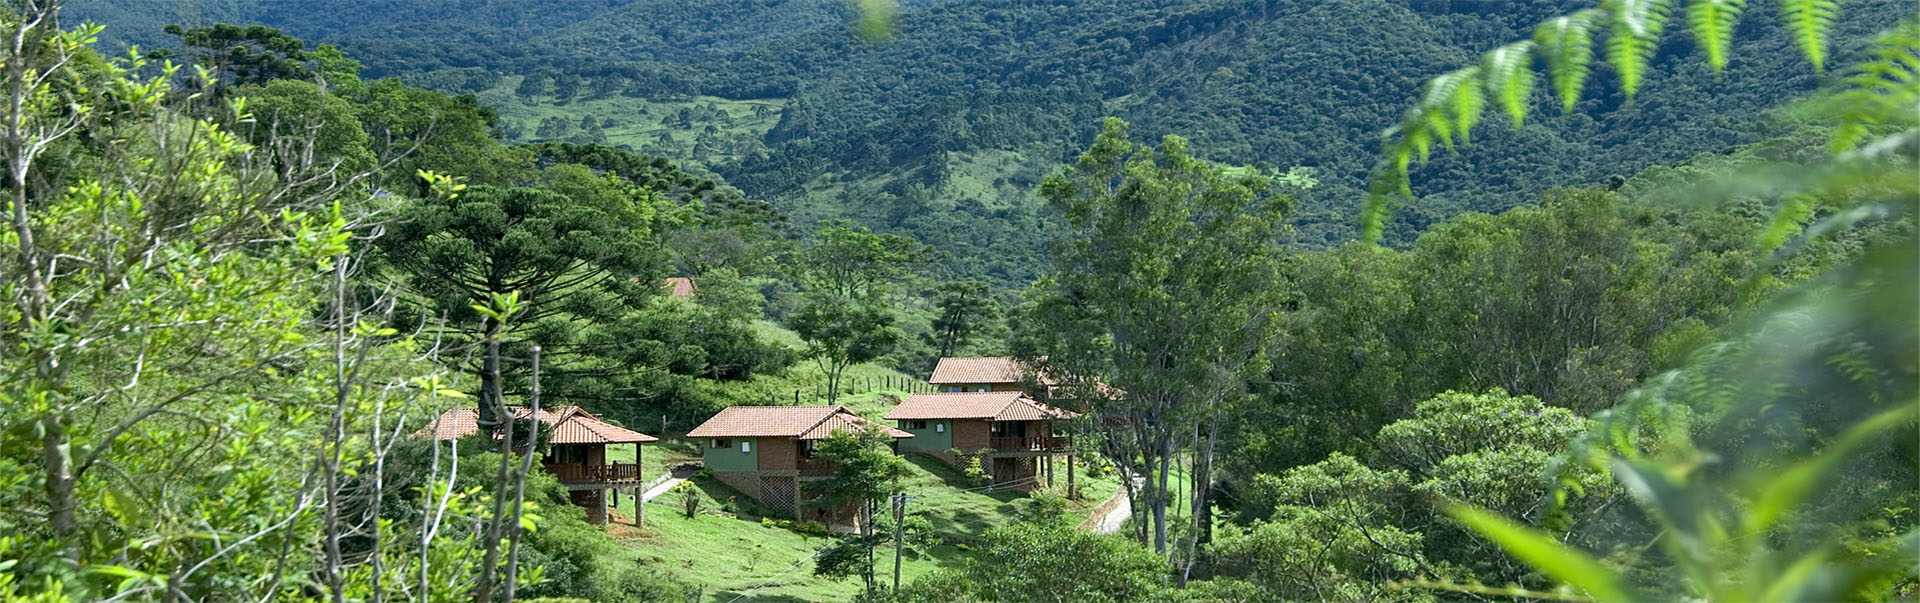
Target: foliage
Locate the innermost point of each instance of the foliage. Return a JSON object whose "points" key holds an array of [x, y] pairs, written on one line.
{"points": [[1566, 302], [1168, 290], [1369, 522], [1452, 103], [1047, 561], [846, 315]]}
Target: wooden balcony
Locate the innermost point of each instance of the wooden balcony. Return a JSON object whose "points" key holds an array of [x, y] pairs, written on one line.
{"points": [[579, 473], [1030, 443]]}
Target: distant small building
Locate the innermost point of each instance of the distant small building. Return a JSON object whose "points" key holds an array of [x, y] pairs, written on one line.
{"points": [[766, 452], [679, 286], [576, 454], [1005, 374], [1013, 432], [981, 374]]}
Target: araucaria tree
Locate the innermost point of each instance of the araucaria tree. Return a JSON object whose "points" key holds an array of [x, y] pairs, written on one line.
{"points": [[1161, 304], [570, 252]]}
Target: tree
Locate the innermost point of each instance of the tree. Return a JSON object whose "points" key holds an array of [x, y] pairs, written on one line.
{"points": [[846, 316], [1799, 396], [567, 256], [252, 54], [1167, 291], [192, 380], [849, 262], [865, 470], [965, 311], [1048, 561]]}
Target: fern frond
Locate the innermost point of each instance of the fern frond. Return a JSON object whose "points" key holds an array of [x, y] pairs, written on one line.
{"points": [[1881, 90], [1712, 23], [1808, 21], [1452, 105], [1635, 35], [1508, 71], [1568, 44]]}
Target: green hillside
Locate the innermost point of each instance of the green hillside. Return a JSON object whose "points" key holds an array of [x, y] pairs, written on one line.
{"points": [[943, 130]]}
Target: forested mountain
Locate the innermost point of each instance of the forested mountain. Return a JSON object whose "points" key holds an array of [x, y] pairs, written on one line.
{"points": [[286, 322], [942, 130]]}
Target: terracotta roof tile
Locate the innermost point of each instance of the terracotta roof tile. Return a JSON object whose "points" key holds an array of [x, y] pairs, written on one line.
{"points": [[571, 425], [999, 406], [801, 422], [680, 286], [991, 369]]}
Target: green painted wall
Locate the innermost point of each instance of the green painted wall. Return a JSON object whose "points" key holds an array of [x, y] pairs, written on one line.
{"points": [[937, 436], [730, 458]]}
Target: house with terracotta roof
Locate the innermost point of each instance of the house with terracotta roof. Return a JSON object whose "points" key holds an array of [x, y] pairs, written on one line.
{"points": [[982, 374], [576, 452], [679, 286], [766, 452], [1014, 433]]}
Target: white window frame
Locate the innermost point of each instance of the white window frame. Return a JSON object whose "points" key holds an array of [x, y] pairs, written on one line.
{"points": [[939, 426], [746, 446]]}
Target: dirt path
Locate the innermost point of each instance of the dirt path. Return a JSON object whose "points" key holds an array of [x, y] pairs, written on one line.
{"points": [[1112, 514], [660, 488]]}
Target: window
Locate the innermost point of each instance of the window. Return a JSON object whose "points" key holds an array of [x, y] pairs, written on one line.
{"points": [[746, 446], [569, 454], [718, 444], [940, 427], [980, 389], [955, 389], [916, 424]]}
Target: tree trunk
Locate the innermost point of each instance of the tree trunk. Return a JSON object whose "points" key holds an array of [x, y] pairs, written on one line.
{"points": [[1164, 449], [490, 379], [60, 491]]}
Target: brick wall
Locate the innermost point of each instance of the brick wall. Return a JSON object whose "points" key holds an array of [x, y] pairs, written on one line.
{"points": [[776, 454], [970, 434]]}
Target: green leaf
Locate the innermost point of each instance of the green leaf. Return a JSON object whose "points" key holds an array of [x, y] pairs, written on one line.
{"points": [[1712, 24], [1635, 35], [1786, 491], [1564, 563], [1808, 21], [1508, 71], [1568, 44]]}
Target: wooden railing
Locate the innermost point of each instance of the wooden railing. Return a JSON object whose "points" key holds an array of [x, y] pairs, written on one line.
{"points": [[578, 473], [1031, 443]]}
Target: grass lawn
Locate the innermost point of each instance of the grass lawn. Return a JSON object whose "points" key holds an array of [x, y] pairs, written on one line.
{"points": [[727, 556]]}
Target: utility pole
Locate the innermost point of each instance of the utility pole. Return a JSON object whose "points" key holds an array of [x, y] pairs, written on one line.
{"points": [[899, 520]]}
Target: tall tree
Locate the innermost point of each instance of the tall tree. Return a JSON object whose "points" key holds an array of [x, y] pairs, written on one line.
{"points": [[846, 316], [964, 311], [865, 471], [1167, 289], [243, 54], [568, 256]]}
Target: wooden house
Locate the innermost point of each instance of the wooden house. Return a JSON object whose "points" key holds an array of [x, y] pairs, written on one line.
{"points": [[766, 452], [1014, 433], [1004, 374], [576, 453], [679, 286], [983, 374]]}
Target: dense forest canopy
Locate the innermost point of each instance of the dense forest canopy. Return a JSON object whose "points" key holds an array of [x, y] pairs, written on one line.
{"points": [[943, 130], [1352, 300]]}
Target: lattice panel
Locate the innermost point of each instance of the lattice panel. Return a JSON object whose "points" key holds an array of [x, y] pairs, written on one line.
{"points": [[780, 493]]}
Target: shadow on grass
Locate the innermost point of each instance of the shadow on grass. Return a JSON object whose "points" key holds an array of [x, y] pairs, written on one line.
{"points": [[721, 497], [953, 477], [725, 596]]}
